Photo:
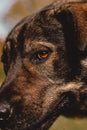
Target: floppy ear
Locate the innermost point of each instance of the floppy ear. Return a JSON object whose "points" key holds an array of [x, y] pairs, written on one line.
{"points": [[73, 17]]}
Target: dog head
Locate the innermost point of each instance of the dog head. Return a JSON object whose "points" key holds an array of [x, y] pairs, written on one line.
{"points": [[45, 61]]}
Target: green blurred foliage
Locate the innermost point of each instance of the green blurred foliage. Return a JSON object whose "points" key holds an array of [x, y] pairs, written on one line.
{"points": [[2, 75], [63, 123]]}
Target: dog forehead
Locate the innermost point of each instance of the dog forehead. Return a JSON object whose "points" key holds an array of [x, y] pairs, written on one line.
{"points": [[42, 26], [38, 22]]}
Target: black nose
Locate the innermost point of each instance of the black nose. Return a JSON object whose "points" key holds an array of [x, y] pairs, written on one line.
{"points": [[5, 111]]}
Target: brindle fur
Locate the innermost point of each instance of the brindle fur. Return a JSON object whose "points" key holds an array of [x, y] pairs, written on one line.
{"points": [[40, 92]]}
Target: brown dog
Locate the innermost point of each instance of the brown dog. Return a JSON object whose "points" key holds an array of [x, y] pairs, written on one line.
{"points": [[45, 61]]}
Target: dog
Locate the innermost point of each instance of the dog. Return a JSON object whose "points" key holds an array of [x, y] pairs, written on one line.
{"points": [[45, 62]]}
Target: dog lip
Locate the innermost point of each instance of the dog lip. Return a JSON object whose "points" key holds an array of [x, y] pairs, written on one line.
{"points": [[4, 123], [7, 118]]}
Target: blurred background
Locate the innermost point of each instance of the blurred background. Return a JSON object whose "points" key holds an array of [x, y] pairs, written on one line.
{"points": [[12, 11]]}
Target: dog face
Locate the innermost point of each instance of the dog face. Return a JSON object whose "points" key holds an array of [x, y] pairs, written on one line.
{"points": [[45, 66]]}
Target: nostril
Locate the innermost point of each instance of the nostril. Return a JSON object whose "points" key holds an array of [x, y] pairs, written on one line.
{"points": [[4, 114], [5, 111]]}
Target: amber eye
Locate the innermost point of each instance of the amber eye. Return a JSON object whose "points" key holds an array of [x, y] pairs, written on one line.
{"points": [[40, 56]]}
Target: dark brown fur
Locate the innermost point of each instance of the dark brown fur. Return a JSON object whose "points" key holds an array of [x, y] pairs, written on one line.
{"points": [[38, 90]]}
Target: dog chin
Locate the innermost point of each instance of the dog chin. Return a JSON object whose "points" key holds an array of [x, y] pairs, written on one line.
{"points": [[42, 124]]}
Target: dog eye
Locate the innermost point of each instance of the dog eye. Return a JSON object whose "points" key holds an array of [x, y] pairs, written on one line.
{"points": [[40, 56]]}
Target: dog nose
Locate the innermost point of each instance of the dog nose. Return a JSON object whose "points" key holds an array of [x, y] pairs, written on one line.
{"points": [[5, 111]]}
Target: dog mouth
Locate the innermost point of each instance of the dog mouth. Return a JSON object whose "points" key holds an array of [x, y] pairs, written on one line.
{"points": [[7, 125], [13, 124], [5, 116], [44, 122]]}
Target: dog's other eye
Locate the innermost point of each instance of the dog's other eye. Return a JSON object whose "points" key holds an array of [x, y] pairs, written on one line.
{"points": [[40, 56]]}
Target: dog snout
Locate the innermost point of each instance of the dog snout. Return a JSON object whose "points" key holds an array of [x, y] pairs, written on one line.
{"points": [[5, 111]]}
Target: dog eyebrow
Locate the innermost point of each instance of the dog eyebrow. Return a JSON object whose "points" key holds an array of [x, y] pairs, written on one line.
{"points": [[31, 45], [47, 44]]}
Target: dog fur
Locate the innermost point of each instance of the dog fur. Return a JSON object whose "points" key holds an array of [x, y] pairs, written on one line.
{"points": [[37, 90]]}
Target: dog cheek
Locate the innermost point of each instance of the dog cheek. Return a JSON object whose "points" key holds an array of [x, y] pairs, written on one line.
{"points": [[26, 110], [29, 100]]}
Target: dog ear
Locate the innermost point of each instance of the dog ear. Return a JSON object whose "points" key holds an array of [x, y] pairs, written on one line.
{"points": [[73, 17]]}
